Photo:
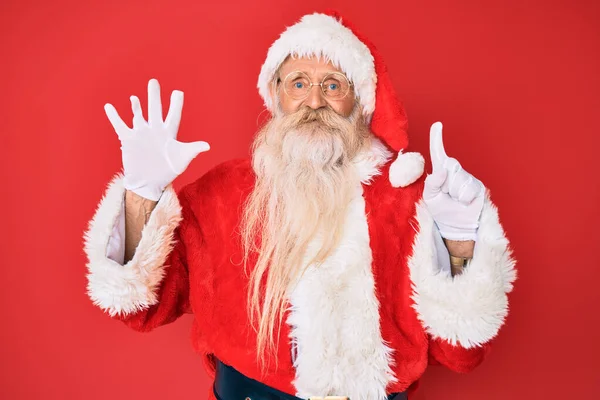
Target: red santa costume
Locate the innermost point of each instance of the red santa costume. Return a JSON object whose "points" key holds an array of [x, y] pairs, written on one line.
{"points": [[364, 324]]}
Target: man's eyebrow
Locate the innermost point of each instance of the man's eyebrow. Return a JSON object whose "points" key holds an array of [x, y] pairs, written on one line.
{"points": [[322, 74]]}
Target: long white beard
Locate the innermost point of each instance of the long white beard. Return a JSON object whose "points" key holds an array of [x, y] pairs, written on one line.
{"points": [[305, 180]]}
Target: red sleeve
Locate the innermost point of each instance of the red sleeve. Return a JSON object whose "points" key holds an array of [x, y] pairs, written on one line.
{"points": [[456, 358], [173, 292], [152, 289]]}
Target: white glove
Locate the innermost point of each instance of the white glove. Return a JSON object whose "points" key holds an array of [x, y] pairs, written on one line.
{"points": [[152, 157], [452, 195]]}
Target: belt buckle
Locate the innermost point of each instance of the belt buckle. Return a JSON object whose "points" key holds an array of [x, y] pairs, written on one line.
{"points": [[329, 398]]}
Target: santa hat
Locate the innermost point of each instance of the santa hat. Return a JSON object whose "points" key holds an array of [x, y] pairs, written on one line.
{"points": [[326, 35]]}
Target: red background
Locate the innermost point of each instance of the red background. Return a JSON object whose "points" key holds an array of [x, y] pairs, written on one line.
{"points": [[516, 85]]}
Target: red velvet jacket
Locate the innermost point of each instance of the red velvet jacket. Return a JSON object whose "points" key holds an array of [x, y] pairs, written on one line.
{"points": [[389, 312]]}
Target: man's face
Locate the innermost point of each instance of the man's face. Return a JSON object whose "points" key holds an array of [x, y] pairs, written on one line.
{"points": [[316, 70]]}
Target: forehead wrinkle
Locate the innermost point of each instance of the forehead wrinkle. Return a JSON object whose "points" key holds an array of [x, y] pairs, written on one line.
{"points": [[312, 71]]}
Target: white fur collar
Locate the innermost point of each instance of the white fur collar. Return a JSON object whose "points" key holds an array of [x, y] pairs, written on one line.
{"points": [[369, 162], [335, 330]]}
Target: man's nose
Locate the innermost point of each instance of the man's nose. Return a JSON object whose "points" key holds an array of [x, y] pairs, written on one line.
{"points": [[315, 99]]}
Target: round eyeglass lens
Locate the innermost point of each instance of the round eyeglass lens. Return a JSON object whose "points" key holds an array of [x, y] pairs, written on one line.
{"points": [[297, 85], [335, 86]]}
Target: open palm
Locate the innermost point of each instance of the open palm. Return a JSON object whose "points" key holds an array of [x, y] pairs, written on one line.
{"points": [[152, 157]]}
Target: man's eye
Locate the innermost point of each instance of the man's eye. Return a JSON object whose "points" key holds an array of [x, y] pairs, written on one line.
{"points": [[333, 86], [298, 85]]}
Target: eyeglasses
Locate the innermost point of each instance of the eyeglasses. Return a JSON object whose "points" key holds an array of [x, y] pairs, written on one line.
{"points": [[334, 86]]}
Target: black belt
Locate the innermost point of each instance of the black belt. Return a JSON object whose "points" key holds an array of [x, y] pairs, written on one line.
{"points": [[233, 385]]}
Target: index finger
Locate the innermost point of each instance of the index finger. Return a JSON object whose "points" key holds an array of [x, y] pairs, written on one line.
{"points": [[436, 146]]}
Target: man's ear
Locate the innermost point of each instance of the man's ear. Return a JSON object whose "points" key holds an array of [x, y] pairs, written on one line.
{"points": [[273, 90]]}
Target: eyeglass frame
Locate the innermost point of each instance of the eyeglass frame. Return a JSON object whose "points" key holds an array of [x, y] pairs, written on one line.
{"points": [[350, 85]]}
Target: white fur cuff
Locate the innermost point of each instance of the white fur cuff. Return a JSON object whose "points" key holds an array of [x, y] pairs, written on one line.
{"points": [[125, 289], [469, 309]]}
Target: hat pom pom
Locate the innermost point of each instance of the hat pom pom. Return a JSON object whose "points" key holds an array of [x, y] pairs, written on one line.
{"points": [[407, 168]]}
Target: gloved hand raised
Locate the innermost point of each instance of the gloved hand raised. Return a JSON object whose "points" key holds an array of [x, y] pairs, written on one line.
{"points": [[152, 156], [452, 195]]}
